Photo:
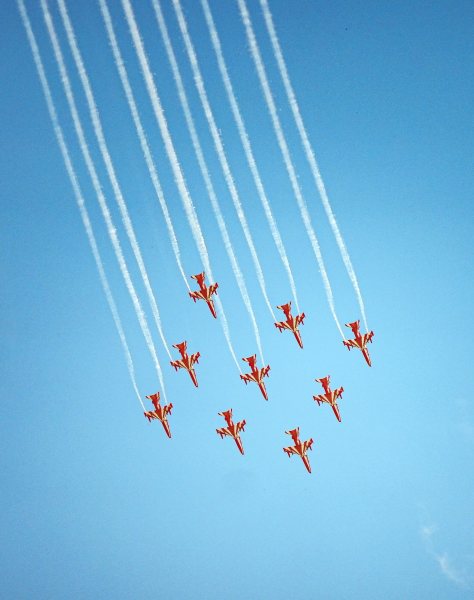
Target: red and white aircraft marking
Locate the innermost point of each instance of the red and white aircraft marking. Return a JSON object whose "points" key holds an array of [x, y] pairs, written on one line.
{"points": [[329, 396], [256, 375], [186, 361], [292, 323], [160, 413], [360, 341], [205, 293], [232, 429], [300, 448]]}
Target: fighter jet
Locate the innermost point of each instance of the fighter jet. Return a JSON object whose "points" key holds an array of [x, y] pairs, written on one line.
{"points": [[186, 361], [256, 374], [300, 448], [292, 323], [232, 429], [161, 412], [360, 341], [205, 293], [329, 396]]}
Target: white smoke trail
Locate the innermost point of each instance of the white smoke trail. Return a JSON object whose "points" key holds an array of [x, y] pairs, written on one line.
{"points": [[94, 113], [205, 172], [220, 150], [310, 155], [173, 158], [98, 190], [78, 195], [141, 135], [286, 157], [247, 147]]}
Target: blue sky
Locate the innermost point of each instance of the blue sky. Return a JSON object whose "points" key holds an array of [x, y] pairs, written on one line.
{"points": [[97, 502]]}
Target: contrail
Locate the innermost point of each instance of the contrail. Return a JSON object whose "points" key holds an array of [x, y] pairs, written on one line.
{"points": [[205, 172], [247, 147], [286, 157], [310, 155], [94, 113], [173, 158], [78, 195], [220, 150], [100, 196], [142, 136]]}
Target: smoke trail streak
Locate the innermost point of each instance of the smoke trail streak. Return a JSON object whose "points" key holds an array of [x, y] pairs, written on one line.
{"points": [[94, 113], [78, 195], [142, 136], [286, 157], [173, 158], [247, 147], [310, 155], [205, 172], [220, 150], [100, 196]]}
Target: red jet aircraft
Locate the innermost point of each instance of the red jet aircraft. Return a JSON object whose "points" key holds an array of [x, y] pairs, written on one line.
{"points": [[300, 448], [360, 341], [292, 323], [256, 374], [232, 429], [186, 362], [161, 412], [205, 293], [329, 396]]}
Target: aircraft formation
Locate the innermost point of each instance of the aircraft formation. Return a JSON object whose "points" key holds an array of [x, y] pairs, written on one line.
{"points": [[206, 292], [256, 375]]}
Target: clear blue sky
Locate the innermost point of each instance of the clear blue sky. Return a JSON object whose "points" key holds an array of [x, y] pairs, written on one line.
{"points": [[98, 503]]}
